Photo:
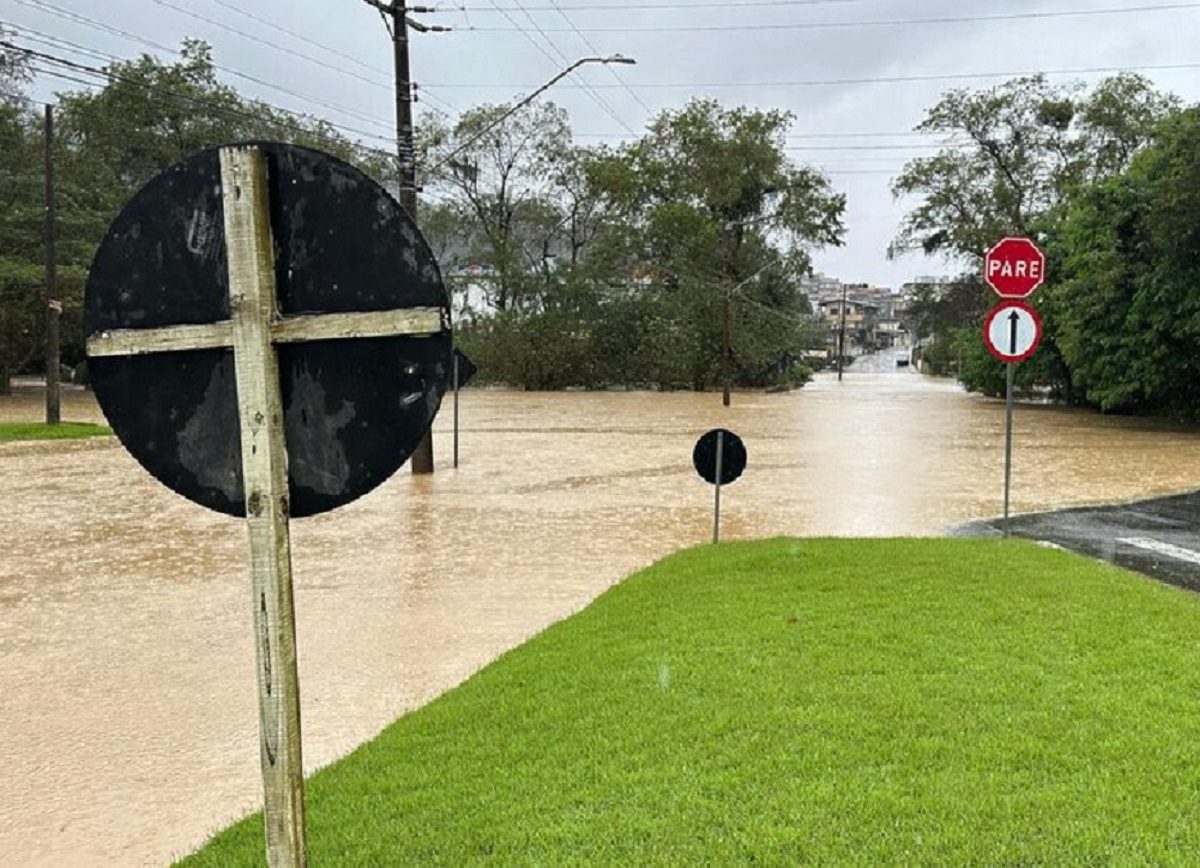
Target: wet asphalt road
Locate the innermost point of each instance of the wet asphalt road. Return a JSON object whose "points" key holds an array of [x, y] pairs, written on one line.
{"points": [[1159, 537]]}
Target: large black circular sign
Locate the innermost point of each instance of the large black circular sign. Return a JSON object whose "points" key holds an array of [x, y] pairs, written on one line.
{"points": [[733, 456], [354, 410]]}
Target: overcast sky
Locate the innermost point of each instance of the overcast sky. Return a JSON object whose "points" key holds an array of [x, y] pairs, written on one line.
{"points": [[342, 60]]}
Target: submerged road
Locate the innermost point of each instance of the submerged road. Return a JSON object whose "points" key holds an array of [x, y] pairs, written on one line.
{"points": [[1159, 537], [127, 693]]}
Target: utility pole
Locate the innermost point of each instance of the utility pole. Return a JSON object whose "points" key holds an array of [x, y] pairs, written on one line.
{"points": [[728, 354], [53, 303], [405, 138], [406, 149], [841, 342]]}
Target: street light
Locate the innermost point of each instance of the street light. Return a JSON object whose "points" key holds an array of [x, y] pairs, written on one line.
{"points": [[612, 58]]}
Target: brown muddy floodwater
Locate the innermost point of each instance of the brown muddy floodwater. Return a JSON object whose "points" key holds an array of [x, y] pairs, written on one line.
{"points": [[127, 697]]}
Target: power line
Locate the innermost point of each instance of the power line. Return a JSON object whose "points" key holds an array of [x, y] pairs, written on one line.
{"points": [[894, 22], [157, 46], [184, 100], [860, 172], [861, 147], [420, 92], [283, 48], [316, 44], [563, 60], [300, 36], [891, 79], [75, 17], [74, 47], [178, 98], [638, 7], [847, 135], [46, 39], [612, 69]]}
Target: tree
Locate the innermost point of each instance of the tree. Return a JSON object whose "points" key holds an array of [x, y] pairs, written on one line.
{"points": [[498, 180], [1129, 308], [1013, 157], [1013, 152], [149, 116], [705, 205], [21, 274]]}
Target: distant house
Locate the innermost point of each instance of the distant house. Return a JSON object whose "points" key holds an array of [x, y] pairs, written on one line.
{"points": [[861, 316]]}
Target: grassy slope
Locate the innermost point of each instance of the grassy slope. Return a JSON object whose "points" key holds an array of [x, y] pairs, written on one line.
{"points": [[10, 431], [947, 701]]}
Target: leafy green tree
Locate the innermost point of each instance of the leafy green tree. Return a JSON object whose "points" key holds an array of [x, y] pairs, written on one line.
{"points": [[150, 115], [497, 178], [707, 204], [1129, 303], [1013, 152], [1014, 155], [21, 219]]}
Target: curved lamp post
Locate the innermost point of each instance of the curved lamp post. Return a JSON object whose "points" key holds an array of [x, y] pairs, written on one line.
{"points": [[612, 58]]}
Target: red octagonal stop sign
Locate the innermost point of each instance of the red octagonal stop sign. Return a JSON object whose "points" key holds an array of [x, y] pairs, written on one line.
{"points": [[1015, 267]]}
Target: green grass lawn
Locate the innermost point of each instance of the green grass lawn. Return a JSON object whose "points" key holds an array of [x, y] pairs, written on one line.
{"points": [[40, 431], [915, 701]]}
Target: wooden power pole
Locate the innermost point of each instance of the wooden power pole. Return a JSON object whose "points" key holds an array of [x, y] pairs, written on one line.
{"points": [[841, 342], [406, 149], [727, 355], [53, 303]]}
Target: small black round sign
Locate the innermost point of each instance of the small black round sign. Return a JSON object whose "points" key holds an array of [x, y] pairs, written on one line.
{"points": [[733, 456], [354, 410]]}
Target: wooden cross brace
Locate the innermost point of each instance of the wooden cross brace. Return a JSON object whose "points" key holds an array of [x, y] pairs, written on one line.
{"points": [[253, 330]]}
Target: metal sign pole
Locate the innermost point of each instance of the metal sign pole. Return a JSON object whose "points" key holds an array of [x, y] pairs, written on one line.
{"points": [[1008, 432], [717, 495], [456, 409]]}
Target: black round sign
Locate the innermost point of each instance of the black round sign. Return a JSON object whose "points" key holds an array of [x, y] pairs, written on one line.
{"points": [[733, 456], [354, 410]]}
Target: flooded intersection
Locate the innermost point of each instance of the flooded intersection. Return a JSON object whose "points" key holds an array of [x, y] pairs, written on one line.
{"points": [[127, 695]]}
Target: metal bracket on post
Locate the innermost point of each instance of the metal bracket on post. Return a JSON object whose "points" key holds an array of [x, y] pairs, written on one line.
{"points": [[265, 476]]}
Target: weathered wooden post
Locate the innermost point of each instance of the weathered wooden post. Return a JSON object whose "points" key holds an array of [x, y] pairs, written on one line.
{"points": [[251, 414], [252, 304]]}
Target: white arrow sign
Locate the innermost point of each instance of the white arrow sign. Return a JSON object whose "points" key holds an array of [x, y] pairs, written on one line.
{"points": [[1012, 332]]}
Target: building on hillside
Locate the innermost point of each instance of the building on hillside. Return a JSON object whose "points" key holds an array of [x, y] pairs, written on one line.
{"points": [[861, 317], [876, 316], [818, 286]]}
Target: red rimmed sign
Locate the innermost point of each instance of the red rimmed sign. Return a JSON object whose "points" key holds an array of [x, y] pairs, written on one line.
{"points": [[1015, 267], [1012, 331]]}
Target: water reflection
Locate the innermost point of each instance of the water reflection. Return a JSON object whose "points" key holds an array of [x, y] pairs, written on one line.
{"points": [[127, 695]]}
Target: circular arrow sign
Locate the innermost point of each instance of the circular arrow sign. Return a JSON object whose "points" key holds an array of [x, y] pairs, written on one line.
{"points": [[1015, 267], [1012, 332], [733, 456]]}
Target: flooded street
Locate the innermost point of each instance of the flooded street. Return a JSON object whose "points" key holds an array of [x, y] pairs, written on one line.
{"points": [[127, 696]]}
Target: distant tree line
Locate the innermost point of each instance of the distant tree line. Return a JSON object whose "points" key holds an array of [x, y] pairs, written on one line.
{"points": [[602, 266], [585, 267], [597, 267], [108, 143], [1108, 182]]}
